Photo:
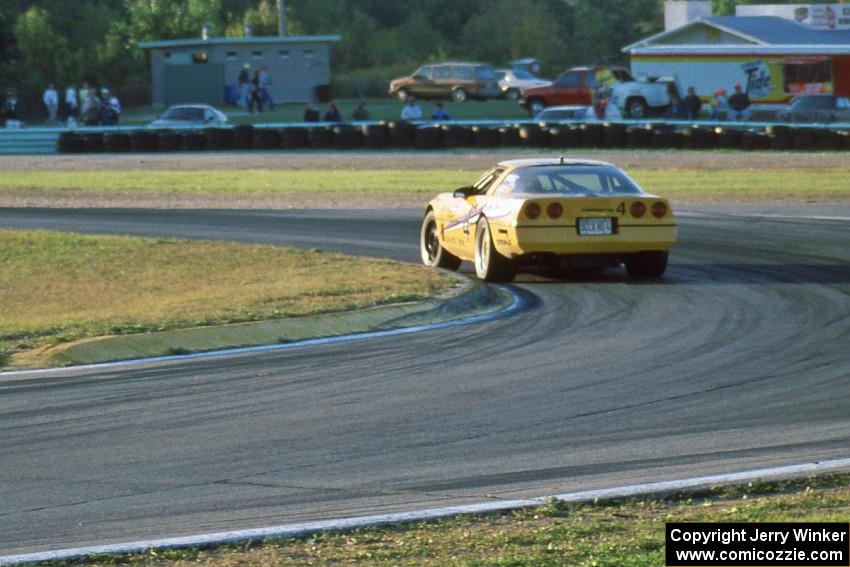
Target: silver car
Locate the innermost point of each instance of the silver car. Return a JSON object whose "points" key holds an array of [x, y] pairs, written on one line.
{"points": [[512, 81], [816, 108], [190, 116]]}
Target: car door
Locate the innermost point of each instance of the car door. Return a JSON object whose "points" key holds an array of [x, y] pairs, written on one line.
{"points": [[570, 89], [455, 217], [423, 82]]}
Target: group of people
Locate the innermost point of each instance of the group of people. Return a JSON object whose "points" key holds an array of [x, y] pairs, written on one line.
{"points": [[86, 105], [735, 107], [254, 90], [412, 111]]}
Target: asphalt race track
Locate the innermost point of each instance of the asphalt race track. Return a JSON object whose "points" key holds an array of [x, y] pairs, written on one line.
{"points": [[739, 359]]}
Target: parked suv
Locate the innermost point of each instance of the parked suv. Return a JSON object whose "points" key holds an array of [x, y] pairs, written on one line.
{"points": [[455, 81]]}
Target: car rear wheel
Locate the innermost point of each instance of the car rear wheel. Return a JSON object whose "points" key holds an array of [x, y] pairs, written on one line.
{"points": [[491, 266], [459, 95], [636, 108], [512, 94], [646, 265], [536, 106], [432, 251]]}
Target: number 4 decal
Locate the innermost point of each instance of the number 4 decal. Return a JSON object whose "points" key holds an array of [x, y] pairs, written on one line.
{"points": [[622, 208]]}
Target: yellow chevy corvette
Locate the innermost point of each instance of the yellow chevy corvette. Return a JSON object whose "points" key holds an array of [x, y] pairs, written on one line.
{"points": [[552, 213]]}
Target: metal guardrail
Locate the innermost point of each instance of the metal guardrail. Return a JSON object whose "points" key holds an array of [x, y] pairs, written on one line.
{"points": [[33, 141]]}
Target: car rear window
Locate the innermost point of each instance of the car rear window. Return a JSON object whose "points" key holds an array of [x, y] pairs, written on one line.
{"points": [[579, 180], [485, 74], [809, 102], [185, 114]]}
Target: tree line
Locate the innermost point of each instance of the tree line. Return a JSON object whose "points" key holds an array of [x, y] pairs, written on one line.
{"points": [[68, 42]]}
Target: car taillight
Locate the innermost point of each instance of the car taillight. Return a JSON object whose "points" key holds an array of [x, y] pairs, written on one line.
{"points": [[659, 209], [637, 209], [532, 210], [554, 210]]}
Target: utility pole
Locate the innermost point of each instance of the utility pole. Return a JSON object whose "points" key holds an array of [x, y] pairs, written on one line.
{"points": [[281, 17]]}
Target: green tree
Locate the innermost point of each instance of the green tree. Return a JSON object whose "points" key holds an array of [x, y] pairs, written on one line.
{"points": [[44, 53]]}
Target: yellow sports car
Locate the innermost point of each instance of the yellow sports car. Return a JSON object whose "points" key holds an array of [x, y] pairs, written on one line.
{"points": [[552, 213]]}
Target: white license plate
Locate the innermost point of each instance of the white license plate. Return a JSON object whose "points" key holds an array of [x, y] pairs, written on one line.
{"points": [[595, 227]]}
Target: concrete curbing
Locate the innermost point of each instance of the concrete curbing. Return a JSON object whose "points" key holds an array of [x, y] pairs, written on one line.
{"points": [[346, 524], [474, 302]]}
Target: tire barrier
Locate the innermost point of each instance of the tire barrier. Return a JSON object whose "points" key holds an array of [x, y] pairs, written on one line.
{"points": [[456, 136], [509, 136], [219, 138], [534, 136], [485, 137], [93, 142], [696, 138], [347, 137], [616, 135], [71, 143], [376, 135], [666, 138], [319, 137], [293, 138], [243, 137], [143, 141], [116, 142], [728, 138], [266, 139], [428, 137], [401, 134], [751, 140], [564, 136], [168, 141], [194, 141], [641, 136], [593, 135]]}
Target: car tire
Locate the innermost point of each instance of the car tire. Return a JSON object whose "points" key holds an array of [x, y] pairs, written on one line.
{"points": [[491, 266], [536, 106], [646, 265], [512, 94], [403, 94], [636, 108], [459, 95], [431, 249]]}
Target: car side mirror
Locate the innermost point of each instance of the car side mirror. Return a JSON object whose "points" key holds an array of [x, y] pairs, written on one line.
{"points": [[464, 192]]}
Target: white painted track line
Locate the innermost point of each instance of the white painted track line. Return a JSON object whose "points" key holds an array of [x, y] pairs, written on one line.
{"points": [[345, 524]]}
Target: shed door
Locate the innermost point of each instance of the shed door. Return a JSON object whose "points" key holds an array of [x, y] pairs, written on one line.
{"points": [[194, 83]]}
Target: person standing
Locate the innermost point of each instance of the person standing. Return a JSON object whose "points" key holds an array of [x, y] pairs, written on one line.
{"points": [[440, 113], [10, 110], [244, 86], [411, 110], [51, 102], [332, 114], [265, 84], [72, 104], [110, 108], [739, 104], [85, 96], [360, 113], [311, 113], [692, 104], [255, 93], [719, 105]]}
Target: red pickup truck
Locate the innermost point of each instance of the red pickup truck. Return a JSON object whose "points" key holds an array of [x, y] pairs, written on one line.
{"points": [[579, 86]]}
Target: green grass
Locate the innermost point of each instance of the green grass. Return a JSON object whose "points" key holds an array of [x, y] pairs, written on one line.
{"points": [[379, 109], [61, 287], [677, 183], [627, 533]]}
